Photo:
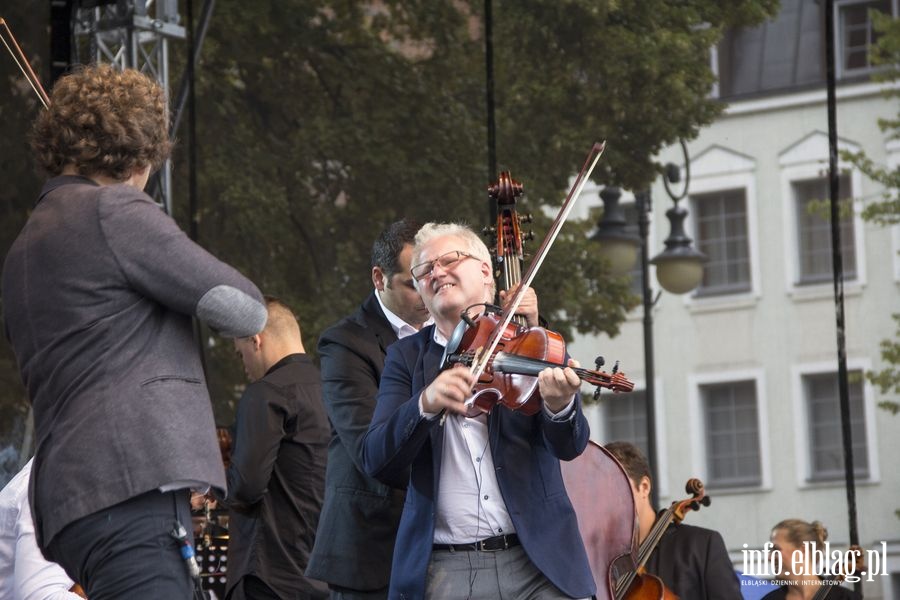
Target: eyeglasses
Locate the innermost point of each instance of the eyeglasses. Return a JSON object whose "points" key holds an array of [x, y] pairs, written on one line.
{"points": [[446, 261]]}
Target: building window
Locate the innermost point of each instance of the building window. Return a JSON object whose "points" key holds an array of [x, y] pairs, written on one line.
{"points": [[777, 56], [732, 434], [825, 438], [814, 231], [721, 231], [626, 418], [856, 33]]}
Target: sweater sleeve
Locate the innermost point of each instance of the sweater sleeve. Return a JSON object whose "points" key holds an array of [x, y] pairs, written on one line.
{"points": [[162, 263]]}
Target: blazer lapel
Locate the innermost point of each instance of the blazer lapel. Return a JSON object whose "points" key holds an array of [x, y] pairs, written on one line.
{"points": [[373, 318], [431, 362]]}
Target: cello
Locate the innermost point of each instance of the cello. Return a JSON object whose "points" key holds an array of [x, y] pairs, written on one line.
{"points": [[637, 584]]}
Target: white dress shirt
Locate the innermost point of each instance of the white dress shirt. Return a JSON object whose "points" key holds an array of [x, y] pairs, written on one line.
{"points": [[400, 327], [469, 505], [24, 572]]}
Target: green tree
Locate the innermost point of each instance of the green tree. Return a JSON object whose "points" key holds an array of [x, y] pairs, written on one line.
{"points": [[321, 122], [337, 118], [886, 210]]}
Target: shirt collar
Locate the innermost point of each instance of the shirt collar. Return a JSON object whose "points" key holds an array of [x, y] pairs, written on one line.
{"points": [[400, 327], [61, 180], [290, 358]]}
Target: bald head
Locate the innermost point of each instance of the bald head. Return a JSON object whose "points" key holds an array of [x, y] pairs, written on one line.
{"points": [[280, 338], [281, 324]]}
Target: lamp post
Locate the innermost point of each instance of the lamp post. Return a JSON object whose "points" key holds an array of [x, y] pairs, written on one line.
{"points": [[679, 269]]}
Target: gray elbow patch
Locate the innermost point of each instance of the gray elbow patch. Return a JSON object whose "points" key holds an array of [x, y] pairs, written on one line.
{"points": [[232, 312]]}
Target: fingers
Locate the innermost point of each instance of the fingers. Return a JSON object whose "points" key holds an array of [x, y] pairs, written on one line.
{"points": [[557, 386], [448, 391], [528, 306]]}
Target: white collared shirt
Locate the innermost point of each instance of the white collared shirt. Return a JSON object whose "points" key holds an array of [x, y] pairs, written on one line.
{"points": [[469, 504], [400, 327], [24, 572]]}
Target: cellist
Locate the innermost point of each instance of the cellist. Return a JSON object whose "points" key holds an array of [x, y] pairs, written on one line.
{"points": [[486, 513], [691, 561]]}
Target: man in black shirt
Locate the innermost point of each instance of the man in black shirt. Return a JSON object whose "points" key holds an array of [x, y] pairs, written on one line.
{"points": [[276, 479]]}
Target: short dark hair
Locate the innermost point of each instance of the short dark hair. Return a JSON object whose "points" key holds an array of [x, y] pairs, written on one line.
{"points": [[104, 122], [390, 243], [633, 460]]}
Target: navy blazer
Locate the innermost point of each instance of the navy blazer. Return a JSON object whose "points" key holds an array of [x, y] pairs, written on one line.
{"points": [[526, 452]]}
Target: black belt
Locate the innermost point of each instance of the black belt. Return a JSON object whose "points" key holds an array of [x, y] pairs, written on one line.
{"points": [[491, 544]]}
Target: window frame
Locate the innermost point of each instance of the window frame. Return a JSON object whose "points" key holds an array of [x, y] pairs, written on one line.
{"points": [[840, 71], [699, 449], [806, 279], [807, 159], [715, 169], [698, 198], [802, 442]]}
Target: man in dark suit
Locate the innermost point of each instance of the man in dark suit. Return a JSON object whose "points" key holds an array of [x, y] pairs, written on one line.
{"points": [[691, 561], [360, 516], [486, 513], [276, 477], [98, 294]]}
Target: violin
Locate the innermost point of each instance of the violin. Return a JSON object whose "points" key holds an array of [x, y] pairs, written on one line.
{"points": [[511, 373], [503, 353], [640, 585]]}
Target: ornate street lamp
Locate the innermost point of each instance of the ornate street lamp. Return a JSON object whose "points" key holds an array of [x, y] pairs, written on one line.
{"points": [[679, 269]]}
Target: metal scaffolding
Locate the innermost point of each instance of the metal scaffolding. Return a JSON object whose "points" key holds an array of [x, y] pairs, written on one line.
{"points": [[124, 34]]}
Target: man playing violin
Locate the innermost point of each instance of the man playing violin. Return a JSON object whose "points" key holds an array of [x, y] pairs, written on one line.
{"points": [[486, 512], [691, 561]]}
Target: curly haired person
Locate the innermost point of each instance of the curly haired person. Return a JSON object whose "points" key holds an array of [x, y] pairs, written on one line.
{"points": [[98, 293]]}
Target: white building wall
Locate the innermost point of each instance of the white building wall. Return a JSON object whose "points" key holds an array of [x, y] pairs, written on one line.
{"points": [[777, 331]]}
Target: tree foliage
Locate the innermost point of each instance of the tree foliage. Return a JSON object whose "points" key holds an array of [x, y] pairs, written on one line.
{"points": [[321, 122], [885, 211]]}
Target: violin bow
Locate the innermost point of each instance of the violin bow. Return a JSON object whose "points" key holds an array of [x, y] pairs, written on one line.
{"points": [[12, 46], [593, 157]]}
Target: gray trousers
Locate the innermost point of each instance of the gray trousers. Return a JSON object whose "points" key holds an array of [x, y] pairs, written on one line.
{"points": [[502, 575]]}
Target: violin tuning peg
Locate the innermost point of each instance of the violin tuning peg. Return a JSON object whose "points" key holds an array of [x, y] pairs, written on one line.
{"points": [[615, 368], [596, 394], [599, 361]]}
